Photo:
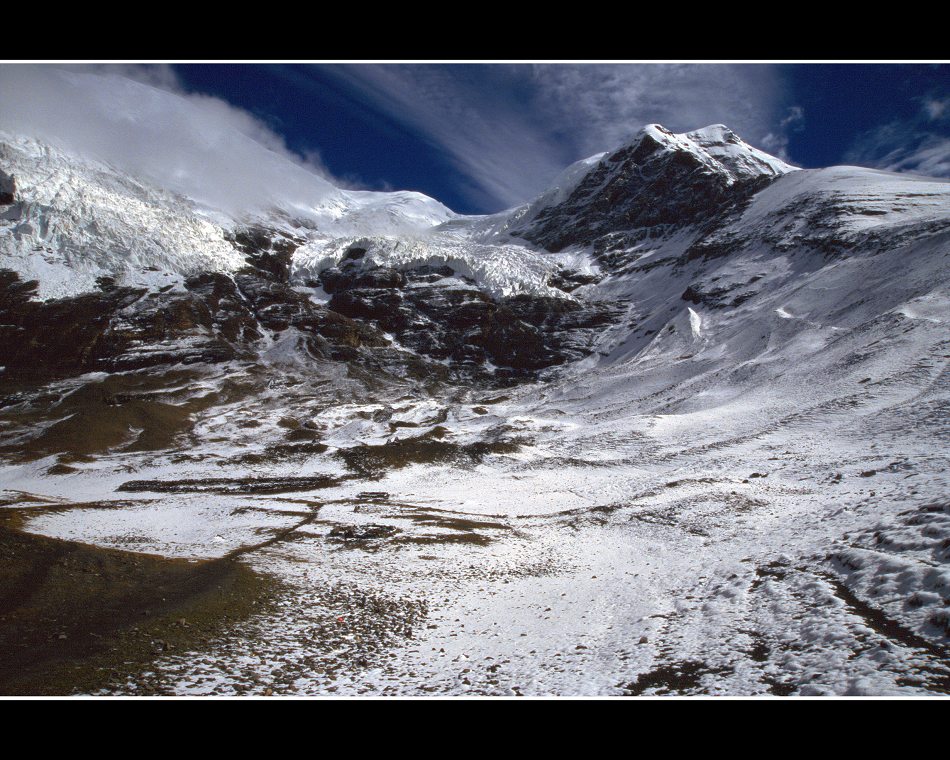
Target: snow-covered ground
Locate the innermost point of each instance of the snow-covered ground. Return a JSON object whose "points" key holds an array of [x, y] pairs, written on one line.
{"points": [[741, 491], [788, 538]]}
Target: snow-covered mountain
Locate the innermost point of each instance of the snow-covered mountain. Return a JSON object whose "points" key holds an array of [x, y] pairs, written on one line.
{"points": [[656, 180], [679, 423], [74, 219]]}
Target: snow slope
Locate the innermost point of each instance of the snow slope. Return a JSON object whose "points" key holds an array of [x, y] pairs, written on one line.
{"points": [[76, 219]]}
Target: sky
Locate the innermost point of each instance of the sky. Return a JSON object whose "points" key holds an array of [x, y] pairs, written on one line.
{"points": [[478, 137]]}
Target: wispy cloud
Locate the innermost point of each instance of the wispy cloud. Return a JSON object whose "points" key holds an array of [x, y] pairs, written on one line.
{"points": [[936, 108], [920, 144], [138, 119], [511, 128], [776, 142], [600, 105], [465, 113]]}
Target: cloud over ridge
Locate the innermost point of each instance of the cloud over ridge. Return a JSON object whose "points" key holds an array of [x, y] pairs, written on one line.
{"points": [[138, 120]]}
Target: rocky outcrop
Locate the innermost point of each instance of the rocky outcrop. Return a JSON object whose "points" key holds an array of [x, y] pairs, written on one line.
{"points": [[217, 318], [7, 188], [55, 338], [442, 315], [720, 296], [268, 251]]}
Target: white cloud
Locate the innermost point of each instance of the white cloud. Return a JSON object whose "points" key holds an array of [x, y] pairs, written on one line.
{"points": [[896, 148], [603, 104], [776, 142], [920, 145], [935, 108], [136, 118]]}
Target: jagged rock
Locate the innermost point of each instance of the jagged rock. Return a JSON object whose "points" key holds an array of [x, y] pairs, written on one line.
{"points": [[718, 297], [335, 280], [569, 280], [354, 253], [54, 338], [7, 188], [218, 318], [520, 334], [514, 343], [277, 307], [268, 251]]}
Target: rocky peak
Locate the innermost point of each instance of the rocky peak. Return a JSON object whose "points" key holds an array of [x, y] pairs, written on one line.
{"points": [[658, 179]]}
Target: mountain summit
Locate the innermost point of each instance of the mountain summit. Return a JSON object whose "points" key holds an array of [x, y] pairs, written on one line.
{"points": [[656, 180]]}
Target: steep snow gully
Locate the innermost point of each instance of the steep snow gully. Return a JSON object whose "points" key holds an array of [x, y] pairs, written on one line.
{"points": [[677, 426]]}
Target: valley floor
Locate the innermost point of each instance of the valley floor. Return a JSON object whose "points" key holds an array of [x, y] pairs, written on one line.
{"points": [[765, 544]]}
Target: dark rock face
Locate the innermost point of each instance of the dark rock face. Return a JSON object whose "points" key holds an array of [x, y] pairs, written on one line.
{"points": [[56, 338], [520, 334], [277, 306], [336, 279], [719, 297], [7, 189], [217, 319], [268, 252], [642, 186], [570, 280]]}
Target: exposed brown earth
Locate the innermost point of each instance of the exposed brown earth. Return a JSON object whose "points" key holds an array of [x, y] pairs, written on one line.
{"points": [[76, 618]]}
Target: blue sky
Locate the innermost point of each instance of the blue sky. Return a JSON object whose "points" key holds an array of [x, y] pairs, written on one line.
{"points": [[485, 137]]}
